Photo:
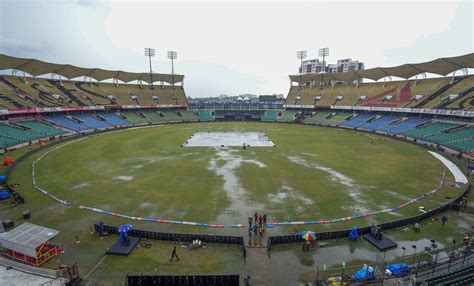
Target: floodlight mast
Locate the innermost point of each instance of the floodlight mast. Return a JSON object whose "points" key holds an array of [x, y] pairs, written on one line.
{"points": [[324, 52], [301, 55], [172, 55], [149, 52]]}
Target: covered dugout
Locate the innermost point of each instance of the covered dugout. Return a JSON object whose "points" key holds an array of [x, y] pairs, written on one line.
{"points": [[30, 243]]}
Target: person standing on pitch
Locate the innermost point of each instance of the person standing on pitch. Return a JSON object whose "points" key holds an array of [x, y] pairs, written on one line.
{"points": [[444, 219], [174, 254], [260, 221], [255, 229], [250, 221], [255, 217], [265, 220]]}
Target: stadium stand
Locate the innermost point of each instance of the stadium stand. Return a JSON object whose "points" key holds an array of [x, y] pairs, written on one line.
{"points": [[317, 118], [135, 117], [457, 86], [205, 115], [18, 133], [67, 122], [461, 276], [401, 93], [287, 116], [458, 135], [6, 142], [463, 103], [40, 92], [113, 119], [40, 127], [379, 122], [120, 92], [357, 121], [154, 116], [465, 146], [270, 115], [91, 121], [336, 119], [404, 125], [172, 116], [188, 116], [429, 130]]}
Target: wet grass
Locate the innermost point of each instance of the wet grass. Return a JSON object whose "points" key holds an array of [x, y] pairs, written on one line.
{"points": [[145, 172]]}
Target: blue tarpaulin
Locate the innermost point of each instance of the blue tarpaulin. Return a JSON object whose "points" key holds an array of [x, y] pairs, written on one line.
{"points": [[4, 195], [3, 178], [365, 273], [354, 234], [400, 269]]}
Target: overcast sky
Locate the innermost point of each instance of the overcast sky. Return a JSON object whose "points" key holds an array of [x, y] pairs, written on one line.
{"points": [[233, 47]]}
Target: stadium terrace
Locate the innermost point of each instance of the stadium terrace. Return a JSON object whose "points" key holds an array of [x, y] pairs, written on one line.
{"points": [[100, 182]]}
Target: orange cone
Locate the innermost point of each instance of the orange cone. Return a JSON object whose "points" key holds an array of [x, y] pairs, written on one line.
{"points": [[8, 161]]}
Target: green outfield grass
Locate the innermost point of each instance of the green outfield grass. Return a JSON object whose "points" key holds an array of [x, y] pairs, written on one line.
{"points": [[145, 172], [313, 173]]}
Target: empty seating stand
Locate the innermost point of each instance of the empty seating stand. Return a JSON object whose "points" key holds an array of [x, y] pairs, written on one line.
{"points": [[357, 120], [379, 123], [41, 127], [6, 142], [428, 130], [188, 116], [205, 115], [270, 115], [404, 125], [460, 276], [336, 119], [134, 117], [317, 118], [154, 116], [113, 119], [171, 116], [17, 136], [460, 135], [287, 116], [67, 123], [91, 121], [465, 146]]}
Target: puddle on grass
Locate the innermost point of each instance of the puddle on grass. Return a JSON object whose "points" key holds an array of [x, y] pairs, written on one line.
{"points": [[352, 189], [285, 193], [333, 174], [80, 186], [124, 178], [225, 164]]}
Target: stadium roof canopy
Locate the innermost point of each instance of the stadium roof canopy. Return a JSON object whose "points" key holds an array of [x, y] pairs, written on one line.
{"points": [[441, 66], [37, 67]]}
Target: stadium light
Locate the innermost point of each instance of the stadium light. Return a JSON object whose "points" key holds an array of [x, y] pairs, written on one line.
{"points": [[172, 56], [301, 55], [323, 52], [149, 52]]}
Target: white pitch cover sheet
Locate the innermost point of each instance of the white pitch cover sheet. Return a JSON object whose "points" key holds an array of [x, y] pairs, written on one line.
{"points": [[458, 175], [228, 139]]}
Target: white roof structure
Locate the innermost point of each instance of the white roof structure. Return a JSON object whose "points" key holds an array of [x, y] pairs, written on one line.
{"points": [[37, 67], [26, 237], [441, 66]]}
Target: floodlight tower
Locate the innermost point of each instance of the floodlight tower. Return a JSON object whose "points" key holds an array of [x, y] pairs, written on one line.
{"points": [[301, 55], [324, 52], [150, 53], [172, 56]]}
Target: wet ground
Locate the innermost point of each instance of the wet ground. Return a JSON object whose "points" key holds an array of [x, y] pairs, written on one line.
{"points": [[284, 265]]}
